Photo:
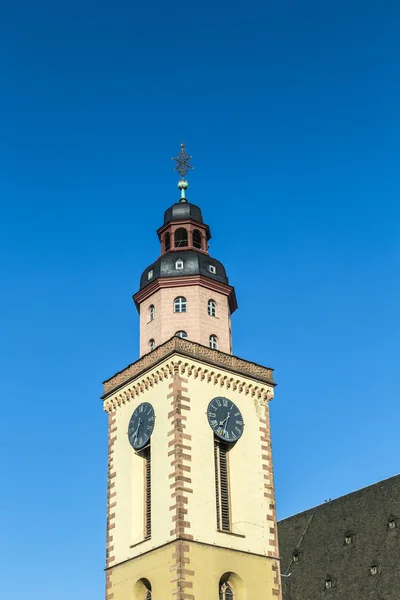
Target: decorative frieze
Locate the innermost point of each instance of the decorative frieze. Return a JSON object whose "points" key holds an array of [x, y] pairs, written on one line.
{"points": [[191, 350]]}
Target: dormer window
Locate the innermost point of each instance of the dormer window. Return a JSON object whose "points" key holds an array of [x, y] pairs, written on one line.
{"points": [[392, 523], [295, 557], [212, 269], [179, 264], [375, 569], [328, 584], [150, 274], [348, 539]]}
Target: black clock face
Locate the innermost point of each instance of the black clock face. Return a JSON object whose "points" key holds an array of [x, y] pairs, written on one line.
{"points": [[141, 425], [225, 419]]}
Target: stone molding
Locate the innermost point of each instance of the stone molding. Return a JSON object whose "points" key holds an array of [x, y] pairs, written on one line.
{"points": [[269, 494], [185, 280], [192, 350], [111, 502], [181, 486], [188, 369]]}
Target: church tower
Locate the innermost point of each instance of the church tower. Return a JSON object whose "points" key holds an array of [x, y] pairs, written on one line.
{"points": [[191, 503]]}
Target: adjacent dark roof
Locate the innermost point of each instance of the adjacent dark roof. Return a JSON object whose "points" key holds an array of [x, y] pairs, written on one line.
{"points": [[182, 211], [318, 535], [194, 263]]}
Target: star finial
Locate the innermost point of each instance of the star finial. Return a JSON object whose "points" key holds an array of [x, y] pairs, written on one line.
{"points": [[182, 162]]}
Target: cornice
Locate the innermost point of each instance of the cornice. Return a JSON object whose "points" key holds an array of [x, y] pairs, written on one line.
{"points": [[191, 350], [170, 282]]}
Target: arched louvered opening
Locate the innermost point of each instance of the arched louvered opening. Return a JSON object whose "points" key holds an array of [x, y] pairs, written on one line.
{"points": [[212, 308], [167, 242], [181, 237], [197, 241], [180, 304]]}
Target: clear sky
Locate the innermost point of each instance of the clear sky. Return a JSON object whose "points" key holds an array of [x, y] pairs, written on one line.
{"points": [[291, 112]]}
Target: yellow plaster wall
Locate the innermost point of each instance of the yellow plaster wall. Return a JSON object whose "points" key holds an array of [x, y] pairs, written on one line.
{"points": [[248, 504], [252, 580], [154, 566], [129, 479]]}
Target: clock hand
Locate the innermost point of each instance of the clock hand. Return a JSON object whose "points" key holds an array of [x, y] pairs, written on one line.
{"points": [[226, 423], [137, 429]]}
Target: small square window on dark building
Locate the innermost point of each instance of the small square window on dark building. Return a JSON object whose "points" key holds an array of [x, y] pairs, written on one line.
{"points": [[375, 569], [348, 539], [392, 523], [328, 584]]}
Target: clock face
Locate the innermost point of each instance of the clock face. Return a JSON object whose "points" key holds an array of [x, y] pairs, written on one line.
{"points": [[141, 425], [225, 419]]}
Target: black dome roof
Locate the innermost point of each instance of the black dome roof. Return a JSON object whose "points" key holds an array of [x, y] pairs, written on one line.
{"points": [[181, 211], [194, 263]]}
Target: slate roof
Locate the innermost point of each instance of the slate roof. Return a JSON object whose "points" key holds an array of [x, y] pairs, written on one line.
{"points": [[194, 263], [318, 538]]}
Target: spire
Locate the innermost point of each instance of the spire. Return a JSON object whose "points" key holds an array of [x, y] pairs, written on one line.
{"points": [[182, 167]]}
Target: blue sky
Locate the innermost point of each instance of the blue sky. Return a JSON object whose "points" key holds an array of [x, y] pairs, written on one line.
{"points": [[290, 110]]}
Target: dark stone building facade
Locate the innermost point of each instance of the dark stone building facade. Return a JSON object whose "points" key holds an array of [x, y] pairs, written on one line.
{"points": [[344, 549]]}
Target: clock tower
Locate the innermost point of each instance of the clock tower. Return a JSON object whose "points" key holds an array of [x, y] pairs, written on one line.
{"points": [[191, 503]]}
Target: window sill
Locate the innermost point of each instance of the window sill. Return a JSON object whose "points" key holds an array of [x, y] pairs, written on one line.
{"points": [[231, 533], [141, 542]]}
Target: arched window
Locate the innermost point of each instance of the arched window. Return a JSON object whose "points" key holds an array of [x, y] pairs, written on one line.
{"points": [[214, 342], [180, 304], [226, 592], [142, 590], [152, 312], [181, 237], [181, 334], [152, 344], [212, 308], [197, 239], [179, 264], [167, 242]]}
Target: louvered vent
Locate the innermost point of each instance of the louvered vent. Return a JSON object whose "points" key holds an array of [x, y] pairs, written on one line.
{"points": [[147, 493], [222, 486]]}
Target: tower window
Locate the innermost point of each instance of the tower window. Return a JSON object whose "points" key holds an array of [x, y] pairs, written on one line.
{"points": [[222, 485], [180, 304], [226, 592], [181, 237], [167, 242], [181, 334], [148, 595], [150, 274], [214, 342], [152, 344], [152, 312], [197, 239], [212, 269], [212, 308], [179, 264]]}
